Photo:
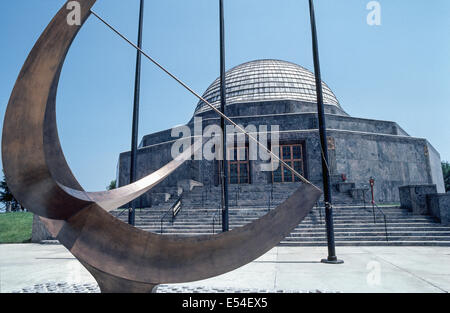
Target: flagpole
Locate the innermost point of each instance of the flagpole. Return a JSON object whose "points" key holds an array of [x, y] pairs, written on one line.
{"points": [[135, 126], [225, 221], [332, 258]]}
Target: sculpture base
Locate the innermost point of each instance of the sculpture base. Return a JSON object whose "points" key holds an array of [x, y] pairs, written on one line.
{"points": [[112, 284]]}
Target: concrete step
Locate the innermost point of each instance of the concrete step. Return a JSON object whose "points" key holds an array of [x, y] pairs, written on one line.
{"points": [[354, 224], [370, 238], [200, 211], [392, 234], [367, 229], [367, 243], [313, 232], [234, 209], [306, 224]]}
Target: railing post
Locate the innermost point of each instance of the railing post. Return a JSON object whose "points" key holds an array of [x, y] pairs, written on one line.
{"points": [[373, 210], [364, 199], [320, 212], [385, 229]]}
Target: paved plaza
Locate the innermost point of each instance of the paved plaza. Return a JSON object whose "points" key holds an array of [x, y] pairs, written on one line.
{"points": [[51, 268]]}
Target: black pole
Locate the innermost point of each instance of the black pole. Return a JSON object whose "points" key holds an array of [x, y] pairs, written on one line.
{"points": [[223, 100], [135, 130], [332, 258]]}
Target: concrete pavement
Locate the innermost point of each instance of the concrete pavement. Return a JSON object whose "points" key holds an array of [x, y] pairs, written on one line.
{"points": [[366, 269]]}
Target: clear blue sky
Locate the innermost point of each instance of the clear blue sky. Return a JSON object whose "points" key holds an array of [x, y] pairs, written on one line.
{"points": [[399, 71]]}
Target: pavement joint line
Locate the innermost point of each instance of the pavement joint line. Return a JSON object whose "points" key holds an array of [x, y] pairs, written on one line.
{"points": [[276, 267], [410, 273], [288, 262], [56, 259]]}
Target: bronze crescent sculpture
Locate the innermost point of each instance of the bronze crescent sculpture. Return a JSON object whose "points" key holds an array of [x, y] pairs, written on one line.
{"points": [[120, 257]]}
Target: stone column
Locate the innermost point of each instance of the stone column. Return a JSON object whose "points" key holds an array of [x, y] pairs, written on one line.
{"points": [[414, 197], [39, 231]]}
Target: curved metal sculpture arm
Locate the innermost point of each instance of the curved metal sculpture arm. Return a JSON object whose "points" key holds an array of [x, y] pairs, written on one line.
{"points": [[118, 255], [112, 199], [32, 158], [111, 246], [38, 174]]}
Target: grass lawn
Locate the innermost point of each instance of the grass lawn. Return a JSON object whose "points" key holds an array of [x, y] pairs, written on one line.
{"points": [[15, 227]]}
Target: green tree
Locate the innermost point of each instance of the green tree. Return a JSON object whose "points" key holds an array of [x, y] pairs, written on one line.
{"points": [[112, 185], [6, 197], [446, 171]]}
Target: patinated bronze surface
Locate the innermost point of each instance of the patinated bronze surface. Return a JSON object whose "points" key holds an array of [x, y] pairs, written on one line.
{"points": [[120, 257]]}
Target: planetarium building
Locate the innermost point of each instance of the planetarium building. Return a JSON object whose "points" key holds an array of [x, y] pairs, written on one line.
{"points": [[272, 92]]}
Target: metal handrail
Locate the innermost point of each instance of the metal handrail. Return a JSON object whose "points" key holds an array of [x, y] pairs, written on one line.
{"points": [[320, 212], [126, 209], [121, 213], [374, 205], [174, 210], [215, 218], [203, 198], [270, 199]]}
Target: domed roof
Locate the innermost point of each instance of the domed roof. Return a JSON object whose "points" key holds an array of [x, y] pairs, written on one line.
{"points": [[267, 80]]}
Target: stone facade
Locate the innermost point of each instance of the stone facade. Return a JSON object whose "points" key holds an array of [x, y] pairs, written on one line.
{"points": [[439, 207], [359, 148], [414, 198]]}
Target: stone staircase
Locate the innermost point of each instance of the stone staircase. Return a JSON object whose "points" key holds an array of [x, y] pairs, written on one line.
{"points": [[354, 224], [196, 195], [248, 196]]}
